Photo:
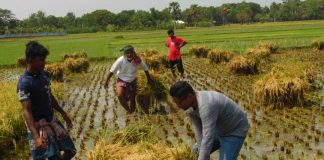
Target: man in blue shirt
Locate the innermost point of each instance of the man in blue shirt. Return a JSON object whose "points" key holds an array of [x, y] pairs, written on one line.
{"points": [[46, 133]]}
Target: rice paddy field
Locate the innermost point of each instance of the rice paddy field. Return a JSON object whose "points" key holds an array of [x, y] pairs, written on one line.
{"points": [[286, 122]]}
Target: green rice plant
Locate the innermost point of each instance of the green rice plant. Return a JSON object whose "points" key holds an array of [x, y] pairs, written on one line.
{"points": [[219, 55], [199, 51]]}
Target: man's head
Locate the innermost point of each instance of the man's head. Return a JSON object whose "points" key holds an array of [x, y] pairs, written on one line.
{"points": [[36, 55], [129, 52], [183, 94], [171, 33]]}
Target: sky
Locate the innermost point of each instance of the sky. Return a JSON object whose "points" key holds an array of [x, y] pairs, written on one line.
{"points": [[24, 8]]}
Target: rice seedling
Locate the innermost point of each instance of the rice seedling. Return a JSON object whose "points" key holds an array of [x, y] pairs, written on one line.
{"points": [[318, 43], [219, 55], [242, 65], [75, 56], [275, 89], [77, 65], [56, 71], [199, 51]]}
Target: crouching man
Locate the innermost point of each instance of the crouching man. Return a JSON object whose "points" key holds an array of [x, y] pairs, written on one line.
{"points": [[218, 122]]}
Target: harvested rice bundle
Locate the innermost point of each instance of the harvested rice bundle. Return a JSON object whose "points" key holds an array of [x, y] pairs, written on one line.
{"points": [[271, 46], [148, 95], [138, 142], [141, 151], [156, 62], [258, 52], [55, 71], [242, 65], [134, 133], [21, 62], [278, 89], [318, 43], [77, 65], [75, 55], [199, 51], [218, 55], [147, 52]]}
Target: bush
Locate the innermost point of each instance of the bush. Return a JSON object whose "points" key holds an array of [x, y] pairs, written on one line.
{"points": [[242, 65], [217, 55], [111, 28], [75, 55], [279, 90], [199, 51], [77, 65], [318, 43], [55, 71], [21, 62], [204, 24]]}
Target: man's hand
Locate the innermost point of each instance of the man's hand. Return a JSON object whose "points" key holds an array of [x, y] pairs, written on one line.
{"points": [[40, 143], [67, 120]]}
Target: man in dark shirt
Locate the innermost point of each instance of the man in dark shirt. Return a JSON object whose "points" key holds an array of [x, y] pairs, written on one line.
{"points": [[46, 133]]}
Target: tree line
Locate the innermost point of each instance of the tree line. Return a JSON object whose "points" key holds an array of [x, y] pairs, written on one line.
{"points": [[194, 16]]}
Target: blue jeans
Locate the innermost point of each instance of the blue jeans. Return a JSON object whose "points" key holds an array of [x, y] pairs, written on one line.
{"points": [[229, 146]]}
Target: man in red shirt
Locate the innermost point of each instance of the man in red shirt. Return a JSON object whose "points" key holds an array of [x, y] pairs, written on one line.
{"points": [[175, 43]]}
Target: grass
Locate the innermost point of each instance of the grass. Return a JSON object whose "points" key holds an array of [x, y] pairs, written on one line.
{"points": [[234, 37]]}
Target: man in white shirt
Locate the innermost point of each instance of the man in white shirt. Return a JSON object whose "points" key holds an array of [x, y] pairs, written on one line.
{"points": [[218, 122], [125, 69]]}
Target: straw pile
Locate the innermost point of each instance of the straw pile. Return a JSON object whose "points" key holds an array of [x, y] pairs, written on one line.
{"points": [[138, 142], [199, 51], [56, 71], [75, 55], [148, 95], [242, 65], [278, 89], [218, 55], [318, 43], [77, 65]]}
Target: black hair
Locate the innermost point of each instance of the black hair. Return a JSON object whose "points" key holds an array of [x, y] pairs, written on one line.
{"points": [[34, 49], [181, 89], [170, 31]]}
